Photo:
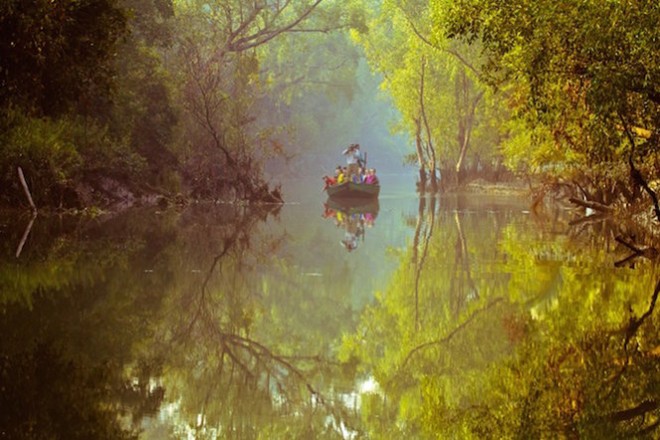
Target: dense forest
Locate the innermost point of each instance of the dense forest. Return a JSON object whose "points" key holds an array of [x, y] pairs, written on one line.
{"points": [[459, 316], [106, 102]]}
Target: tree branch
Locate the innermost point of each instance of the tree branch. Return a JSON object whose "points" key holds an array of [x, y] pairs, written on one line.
{"points": [[639, 410], [26, 189], [450, 335], [452, 52], [266, 34], [635, 323], [637, 175], [592, 205]]}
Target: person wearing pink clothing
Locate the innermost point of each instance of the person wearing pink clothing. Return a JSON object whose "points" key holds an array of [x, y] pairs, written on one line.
{"points": [[371, 178]]}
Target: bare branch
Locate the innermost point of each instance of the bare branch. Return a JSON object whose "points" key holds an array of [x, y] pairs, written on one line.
{"points": [[267, 33], [636, 174], [635, 323]]}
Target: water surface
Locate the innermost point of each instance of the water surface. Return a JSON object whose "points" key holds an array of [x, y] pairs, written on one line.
{"points": [[456, 317]]}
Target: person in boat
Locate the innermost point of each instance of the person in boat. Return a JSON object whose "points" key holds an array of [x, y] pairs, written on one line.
{"points": [[359, 176], [362, 176], [328, 181], [371, 177], [341, 175], [354, 160]]}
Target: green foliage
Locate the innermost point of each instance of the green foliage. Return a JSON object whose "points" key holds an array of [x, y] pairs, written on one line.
{"points": [[58, 154], [75, 404], [145, 115], [523, 336], [74, 322], [434, 84], [580, 73], [57, 57], [85, 100]]}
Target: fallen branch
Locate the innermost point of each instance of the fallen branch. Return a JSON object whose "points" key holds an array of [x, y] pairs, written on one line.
{"points": [[630, 246], [624, 261], [595, 218], [589, 204], [649, 252], [21, 177]]}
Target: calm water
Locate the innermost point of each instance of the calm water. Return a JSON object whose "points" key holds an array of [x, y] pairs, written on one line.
{"points": [[457, 317]]}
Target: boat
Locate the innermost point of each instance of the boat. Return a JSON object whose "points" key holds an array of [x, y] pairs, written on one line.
{"points": [[352, 190]]}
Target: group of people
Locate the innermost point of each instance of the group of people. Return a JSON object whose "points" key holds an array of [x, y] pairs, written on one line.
{"points": [[363, 175], [355, 170]]}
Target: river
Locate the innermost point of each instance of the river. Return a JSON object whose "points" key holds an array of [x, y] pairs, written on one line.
{"points": [[456, 317]]}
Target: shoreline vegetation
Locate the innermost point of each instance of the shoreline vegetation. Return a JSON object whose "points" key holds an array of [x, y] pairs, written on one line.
{"points": [[106, 104]]}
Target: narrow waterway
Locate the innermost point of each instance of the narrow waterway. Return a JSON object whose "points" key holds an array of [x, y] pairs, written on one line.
{"points": [[227, 321]]}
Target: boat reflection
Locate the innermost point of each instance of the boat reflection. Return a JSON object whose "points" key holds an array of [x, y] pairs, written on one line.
{"points": [[354, 216]]}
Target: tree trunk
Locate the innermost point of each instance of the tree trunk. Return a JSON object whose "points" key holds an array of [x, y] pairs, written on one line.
{"points": [[420, 157], [466, 111], [465, 138], [430, 149]]}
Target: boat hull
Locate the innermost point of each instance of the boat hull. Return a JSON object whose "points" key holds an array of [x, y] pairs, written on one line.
{"points": [[350, 190]]}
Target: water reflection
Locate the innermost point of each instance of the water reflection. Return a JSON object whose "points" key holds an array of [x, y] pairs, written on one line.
{"points": [[252, 357], [354, 217], [456, 317], [491, 328]]}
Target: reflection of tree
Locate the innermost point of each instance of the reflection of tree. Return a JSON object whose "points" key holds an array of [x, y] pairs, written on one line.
{"points": [[197, 307], [68, 365], [547, 349], [446, 339], [47, 395], [462, 285], [234, 367], [422, 237]]}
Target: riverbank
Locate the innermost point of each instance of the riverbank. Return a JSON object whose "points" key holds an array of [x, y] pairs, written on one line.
{"points": [[512, 188]]}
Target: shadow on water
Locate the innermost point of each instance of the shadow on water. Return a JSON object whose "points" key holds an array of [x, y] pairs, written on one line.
{"points": [[461, 317]]}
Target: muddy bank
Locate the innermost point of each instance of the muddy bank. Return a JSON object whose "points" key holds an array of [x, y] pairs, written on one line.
{"points": [[509, 188]]}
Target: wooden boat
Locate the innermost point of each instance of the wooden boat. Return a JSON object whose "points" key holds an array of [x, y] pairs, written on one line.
{"points": [[351, 190]]}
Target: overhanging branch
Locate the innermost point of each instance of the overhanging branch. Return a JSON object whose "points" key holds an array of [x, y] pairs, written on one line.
{"points": [[266, 34]]}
